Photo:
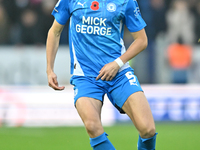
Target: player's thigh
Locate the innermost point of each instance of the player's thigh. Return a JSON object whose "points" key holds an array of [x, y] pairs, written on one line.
{"points": [[138, 109], [89, 109]]}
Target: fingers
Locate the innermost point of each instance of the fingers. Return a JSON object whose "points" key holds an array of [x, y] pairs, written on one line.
{"points": [[54, 84], [105, 76], [108, 77], [101, 72], [108, 72], [55, 87], [99, 76]]}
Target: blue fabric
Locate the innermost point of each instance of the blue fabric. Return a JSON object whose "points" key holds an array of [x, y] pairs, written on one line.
{"points": [[147, 144], [96, 31], [118, 90], [101, 143], [61, 12], [133, 18]]}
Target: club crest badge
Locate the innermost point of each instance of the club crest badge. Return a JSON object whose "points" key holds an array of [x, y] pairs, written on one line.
{"points": [[111, 7]]}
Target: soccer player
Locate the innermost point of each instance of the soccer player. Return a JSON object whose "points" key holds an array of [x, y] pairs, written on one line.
{"points": [[99, 64]]}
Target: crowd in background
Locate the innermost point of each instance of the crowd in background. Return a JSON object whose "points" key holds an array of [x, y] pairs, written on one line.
{"points": [[175, 18], [27, 21]]}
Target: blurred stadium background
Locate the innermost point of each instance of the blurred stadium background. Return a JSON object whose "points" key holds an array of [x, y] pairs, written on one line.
{"points": [[35, 117]]}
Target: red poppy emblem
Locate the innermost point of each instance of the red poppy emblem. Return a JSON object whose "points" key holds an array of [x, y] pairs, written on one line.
{"points": [[95, 5]]}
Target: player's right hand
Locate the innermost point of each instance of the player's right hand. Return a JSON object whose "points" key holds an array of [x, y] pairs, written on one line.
{"points": [[52, 81]]}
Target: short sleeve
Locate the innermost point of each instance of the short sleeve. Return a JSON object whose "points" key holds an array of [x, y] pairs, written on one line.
{"points": [[61, 11], [133, 18]]}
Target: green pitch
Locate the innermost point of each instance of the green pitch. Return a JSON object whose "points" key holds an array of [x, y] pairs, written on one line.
{"points": [[172, 136]]}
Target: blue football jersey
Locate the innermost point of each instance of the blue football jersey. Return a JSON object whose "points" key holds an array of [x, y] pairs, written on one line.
{"points": [[96, 31]]}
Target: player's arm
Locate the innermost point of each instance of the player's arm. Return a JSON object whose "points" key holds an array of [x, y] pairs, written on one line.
{"points": [[109, 71], [52, 45], [139, 44]]}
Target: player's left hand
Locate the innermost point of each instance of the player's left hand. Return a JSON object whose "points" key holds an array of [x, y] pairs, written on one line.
{"points": [[108, 72]]}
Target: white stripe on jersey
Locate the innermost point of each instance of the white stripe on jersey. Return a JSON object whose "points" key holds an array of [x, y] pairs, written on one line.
{"points": [[77, 68], [121, 25], [123, 50]]}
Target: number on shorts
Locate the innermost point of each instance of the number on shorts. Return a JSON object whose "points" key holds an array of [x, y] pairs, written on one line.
{"points": [[131, 77]]}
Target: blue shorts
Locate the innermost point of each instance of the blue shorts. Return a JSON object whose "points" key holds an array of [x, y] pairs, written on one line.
{"points": [[118, 90]]}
